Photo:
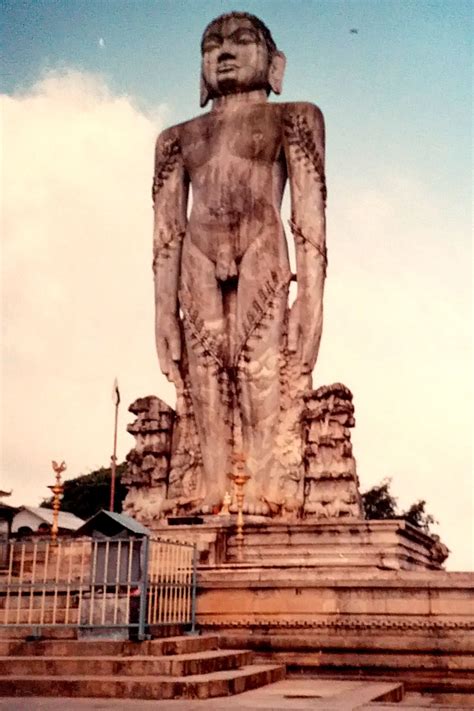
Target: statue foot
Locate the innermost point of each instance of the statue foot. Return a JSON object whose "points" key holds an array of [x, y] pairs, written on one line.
{"points": [[211, 504], [257, 508]]}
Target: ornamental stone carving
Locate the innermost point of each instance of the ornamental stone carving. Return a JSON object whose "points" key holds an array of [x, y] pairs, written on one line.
{"points": [[331, 483], [148, 463]]}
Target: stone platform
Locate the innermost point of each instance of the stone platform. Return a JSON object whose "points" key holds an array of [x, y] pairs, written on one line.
{"points": [[351, 599], [411, 626], [349, 544]]}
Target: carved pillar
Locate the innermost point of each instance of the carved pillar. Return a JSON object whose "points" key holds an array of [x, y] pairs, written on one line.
{"points": [[148, 463], [331, 482]]}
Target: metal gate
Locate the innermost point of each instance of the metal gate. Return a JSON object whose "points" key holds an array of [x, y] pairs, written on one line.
{"points": [[110, 584]]}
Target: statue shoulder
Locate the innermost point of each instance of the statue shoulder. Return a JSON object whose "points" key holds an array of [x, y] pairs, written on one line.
{"points": [[182, 132], [168, 157], [170, 136], [303, 110]]}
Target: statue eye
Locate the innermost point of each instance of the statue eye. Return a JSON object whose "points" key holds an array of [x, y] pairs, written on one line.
{"points": [[246, 36], [211, 42]]}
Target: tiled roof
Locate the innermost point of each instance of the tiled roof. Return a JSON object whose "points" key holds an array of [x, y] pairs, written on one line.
{"points": [[126, 522]]}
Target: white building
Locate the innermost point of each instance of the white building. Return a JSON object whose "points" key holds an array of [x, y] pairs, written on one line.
{"points": [[31, 519]]}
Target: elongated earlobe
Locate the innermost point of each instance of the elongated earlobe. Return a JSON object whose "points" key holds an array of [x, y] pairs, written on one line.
{"points": [[276, 72], [203, 92]]}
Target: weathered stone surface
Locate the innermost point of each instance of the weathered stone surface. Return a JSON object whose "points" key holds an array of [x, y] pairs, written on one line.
{"points": [[342, 545], [138, 665], [412, 626], [148, 463], [239, 356], [56, 647], [124, 670], [204, 686], [331, 483]]}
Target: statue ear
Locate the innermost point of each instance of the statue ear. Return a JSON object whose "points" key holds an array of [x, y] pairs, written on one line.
{"points": [[276, 71], [203, 92]]}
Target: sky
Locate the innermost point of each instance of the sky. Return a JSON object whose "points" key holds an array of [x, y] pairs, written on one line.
{"points": [[86, 88]]}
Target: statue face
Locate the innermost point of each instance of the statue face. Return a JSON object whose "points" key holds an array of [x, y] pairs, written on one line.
{"points": [[234, 58]]}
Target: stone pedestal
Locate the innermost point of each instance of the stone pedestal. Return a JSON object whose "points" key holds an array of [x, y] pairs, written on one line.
{"points": [[356, 599], [410, 626], [341, 545]]}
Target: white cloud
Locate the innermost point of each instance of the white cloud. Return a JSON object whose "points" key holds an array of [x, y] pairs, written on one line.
{"points": [[78, 302]]}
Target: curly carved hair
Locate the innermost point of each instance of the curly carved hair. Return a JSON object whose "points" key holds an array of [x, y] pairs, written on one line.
{"points": [[256, 22]]}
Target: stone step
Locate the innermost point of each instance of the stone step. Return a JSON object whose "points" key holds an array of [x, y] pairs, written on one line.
{"points": [[202, 686], [352, 551], [350, 533], [419, 680], [336, 561], [378, 660], [356, 558], [327, 641], [173, 665], [106, 647]]}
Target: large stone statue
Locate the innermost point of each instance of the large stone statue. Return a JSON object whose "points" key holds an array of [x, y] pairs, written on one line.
{"points": [[239, 356]]}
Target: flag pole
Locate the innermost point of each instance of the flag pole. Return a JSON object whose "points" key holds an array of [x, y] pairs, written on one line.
{"points": [[113, 459]]}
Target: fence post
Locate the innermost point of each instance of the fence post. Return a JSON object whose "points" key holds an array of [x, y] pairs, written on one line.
{"points": [[193, 592], [143, 590]]}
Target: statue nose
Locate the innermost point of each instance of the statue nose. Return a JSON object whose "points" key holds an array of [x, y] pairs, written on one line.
{"points": [[225, 55]]}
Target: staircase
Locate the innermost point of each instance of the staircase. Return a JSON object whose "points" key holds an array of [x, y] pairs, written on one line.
{"points": [[169, 668]]}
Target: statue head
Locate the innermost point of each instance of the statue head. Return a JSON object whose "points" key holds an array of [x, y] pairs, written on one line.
{"points": [[239, 55]]}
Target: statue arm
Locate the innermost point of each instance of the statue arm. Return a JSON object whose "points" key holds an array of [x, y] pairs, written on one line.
{"points": [[170, 197], [304, 149]]}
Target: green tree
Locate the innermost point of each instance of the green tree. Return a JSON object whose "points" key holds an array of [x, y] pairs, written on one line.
{"points": [[379, 503], [89, 493], [417, 516]]}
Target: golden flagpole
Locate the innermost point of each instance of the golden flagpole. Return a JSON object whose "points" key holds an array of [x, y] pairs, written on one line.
{"points": [[57, 490], [240, 478]]}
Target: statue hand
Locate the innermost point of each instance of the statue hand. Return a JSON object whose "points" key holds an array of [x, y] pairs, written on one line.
{"points": [[303, 336], [168, 343]]}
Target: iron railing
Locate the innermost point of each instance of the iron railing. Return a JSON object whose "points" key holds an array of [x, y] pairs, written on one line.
{"points": [[99, 583]]}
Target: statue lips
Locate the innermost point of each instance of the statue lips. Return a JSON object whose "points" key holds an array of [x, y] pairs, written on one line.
{"points": [[227, 68]]}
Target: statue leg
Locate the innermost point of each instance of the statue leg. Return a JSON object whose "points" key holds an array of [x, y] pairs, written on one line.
{"points": [[259, 398], [213, 419], [204, 323]]}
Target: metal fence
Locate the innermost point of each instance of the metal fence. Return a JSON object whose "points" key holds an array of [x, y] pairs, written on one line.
{"points": [[99, 583]]}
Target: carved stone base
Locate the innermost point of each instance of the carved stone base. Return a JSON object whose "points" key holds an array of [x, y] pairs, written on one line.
{"points": [[350, 599], [346, 545]]}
